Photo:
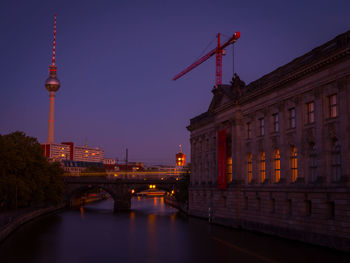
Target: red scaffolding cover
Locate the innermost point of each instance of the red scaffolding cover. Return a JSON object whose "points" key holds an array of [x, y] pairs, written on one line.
{"points": [[222, 159]]}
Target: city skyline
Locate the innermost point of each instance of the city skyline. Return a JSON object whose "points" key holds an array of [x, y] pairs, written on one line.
{"points": [[116, 62]]}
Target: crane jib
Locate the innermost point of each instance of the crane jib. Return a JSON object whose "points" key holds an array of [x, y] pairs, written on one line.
{"points": [[219, 48]]}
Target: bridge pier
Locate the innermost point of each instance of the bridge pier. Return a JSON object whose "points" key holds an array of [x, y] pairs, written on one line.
{"points": [[122, 204]]}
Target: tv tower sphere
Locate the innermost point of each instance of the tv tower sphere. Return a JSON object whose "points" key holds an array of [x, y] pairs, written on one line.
{"points": [[52, 83]]}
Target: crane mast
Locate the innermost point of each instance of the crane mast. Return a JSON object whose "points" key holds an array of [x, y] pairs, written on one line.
{"points": [[218, 51]]}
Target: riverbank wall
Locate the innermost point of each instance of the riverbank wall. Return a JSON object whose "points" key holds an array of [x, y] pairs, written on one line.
{"points": [[16, 222], [176, 204], [299, 214]]}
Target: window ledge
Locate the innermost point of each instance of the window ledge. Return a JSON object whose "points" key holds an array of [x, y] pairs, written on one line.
{"points": [[309, 125]]}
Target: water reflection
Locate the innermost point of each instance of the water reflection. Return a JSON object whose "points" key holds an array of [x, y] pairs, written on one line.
{"points": [[82, 212], [151, 232]]}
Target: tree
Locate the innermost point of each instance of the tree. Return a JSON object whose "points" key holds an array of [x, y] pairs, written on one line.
{"points": [[26, 177]]}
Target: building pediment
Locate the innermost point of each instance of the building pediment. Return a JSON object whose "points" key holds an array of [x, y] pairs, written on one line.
{"points": [[227, 94]]}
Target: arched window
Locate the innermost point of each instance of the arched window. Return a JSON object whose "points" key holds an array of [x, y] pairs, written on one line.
{"points": [[262, 167], [249, 168], [313, 164], [294, 163], [336, 163], [276, 166]]}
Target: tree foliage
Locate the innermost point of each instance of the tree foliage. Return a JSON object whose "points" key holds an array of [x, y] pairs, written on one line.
{"points": [[26, 177]]}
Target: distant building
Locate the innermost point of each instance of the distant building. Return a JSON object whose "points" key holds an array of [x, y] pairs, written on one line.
{"points": [[273, 156], [109, 163], [180, 158], [160, 167], [88, 154], [56, 152], [130, 166], [77, 167], [67, 151]]}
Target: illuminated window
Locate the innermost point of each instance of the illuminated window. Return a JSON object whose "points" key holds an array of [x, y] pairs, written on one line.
{"points": [[294, 163], [310, 112], [261, 127], [292, 118], [333, 106], [336, 163], [249, 130], [277, 166], [276, 126], [249, 168], [262, 167]]}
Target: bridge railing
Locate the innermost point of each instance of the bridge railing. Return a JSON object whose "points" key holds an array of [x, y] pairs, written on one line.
{"points": [[115, 175]]}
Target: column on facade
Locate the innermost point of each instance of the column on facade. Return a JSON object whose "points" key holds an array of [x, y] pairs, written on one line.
{"points": [[284, 144], [214, 158], [268, 146], [319, 128], [200, 161], [343, 115], [238, 157], [193, 161], [206, 160], [299, 108]]}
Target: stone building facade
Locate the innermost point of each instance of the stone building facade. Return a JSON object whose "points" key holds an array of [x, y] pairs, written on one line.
{"points": [[286, 149]]}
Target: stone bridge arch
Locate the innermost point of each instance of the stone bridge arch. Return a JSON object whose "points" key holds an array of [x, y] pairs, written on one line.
{"points": [[143, 187], [119, 189], [120, 193]]}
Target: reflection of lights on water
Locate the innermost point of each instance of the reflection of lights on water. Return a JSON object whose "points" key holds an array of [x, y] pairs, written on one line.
{"points": [[132, 215], [155, 201], [82, 212], [172, 218]]}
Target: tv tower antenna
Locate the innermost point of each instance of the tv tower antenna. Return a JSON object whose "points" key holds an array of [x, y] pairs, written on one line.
{"points": [[52, 84]]}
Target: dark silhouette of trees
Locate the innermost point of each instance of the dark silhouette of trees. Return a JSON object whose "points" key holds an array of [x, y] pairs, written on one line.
{"points": [[26, 177]]}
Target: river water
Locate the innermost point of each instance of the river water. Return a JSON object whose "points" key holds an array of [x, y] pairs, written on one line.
{"points": [[151, 232]]}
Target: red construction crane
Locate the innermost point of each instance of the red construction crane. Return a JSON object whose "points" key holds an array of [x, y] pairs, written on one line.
{"points": [[219, 52]]}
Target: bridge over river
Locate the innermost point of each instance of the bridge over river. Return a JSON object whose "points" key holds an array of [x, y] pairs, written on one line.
{"points": [[120, 188]]}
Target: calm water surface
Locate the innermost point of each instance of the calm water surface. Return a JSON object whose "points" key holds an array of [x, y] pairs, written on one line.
{"points": [[150, 232]]}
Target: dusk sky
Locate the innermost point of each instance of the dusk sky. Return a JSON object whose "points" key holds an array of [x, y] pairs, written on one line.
{"points": [[116, 60]]}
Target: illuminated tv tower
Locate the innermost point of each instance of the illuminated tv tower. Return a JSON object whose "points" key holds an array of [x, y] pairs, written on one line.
{"points": [[52, 84]]}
